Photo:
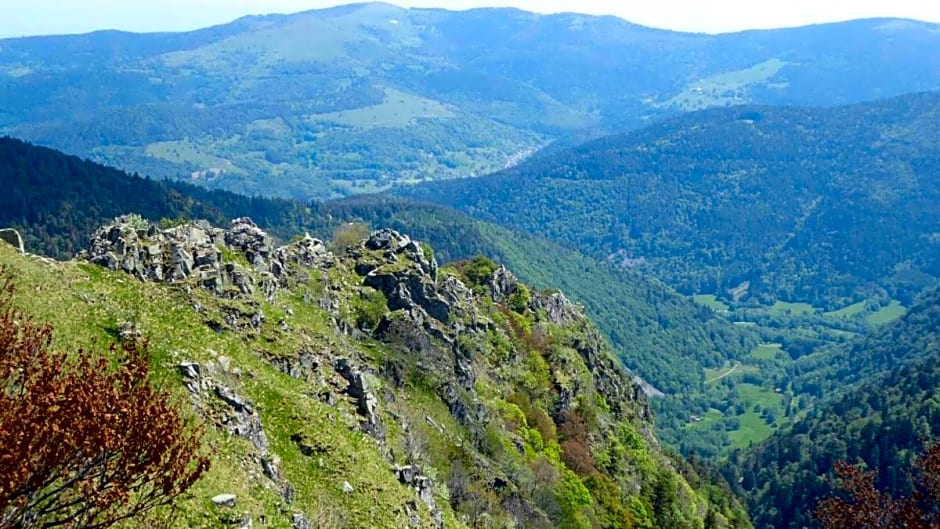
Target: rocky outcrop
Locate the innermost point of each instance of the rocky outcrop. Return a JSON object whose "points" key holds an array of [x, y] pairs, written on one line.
{"points": [[427, 314], [410, 476], [557, 308], [12, 237], [139, 248], [194, 252], [503, 284], [366, 402], [305, 253], [398, 267], [246, 237], [317, 317]]}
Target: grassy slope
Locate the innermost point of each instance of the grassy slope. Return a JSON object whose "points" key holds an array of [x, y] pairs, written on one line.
{"points": [[87, 304]]}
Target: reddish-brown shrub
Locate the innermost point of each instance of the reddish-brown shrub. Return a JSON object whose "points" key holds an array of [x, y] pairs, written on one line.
{"points": [[866, 507], [575, 444], [85, 440]]}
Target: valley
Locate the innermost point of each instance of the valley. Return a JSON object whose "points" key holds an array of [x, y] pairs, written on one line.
{"points": [[328, 103], [424, 268]]}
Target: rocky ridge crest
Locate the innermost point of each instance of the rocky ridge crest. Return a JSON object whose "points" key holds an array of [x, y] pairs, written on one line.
{"points": [[512, 370]]}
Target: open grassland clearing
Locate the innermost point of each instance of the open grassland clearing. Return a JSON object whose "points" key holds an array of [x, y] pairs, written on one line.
{"points": [[795, 309], [724, 88], [397, 110], [887, 314], [711, 301], [764, 414], [847, 312], [766, 351]]}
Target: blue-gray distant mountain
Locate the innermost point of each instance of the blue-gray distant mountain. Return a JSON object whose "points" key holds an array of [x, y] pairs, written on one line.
{"points": [[352, 99]]}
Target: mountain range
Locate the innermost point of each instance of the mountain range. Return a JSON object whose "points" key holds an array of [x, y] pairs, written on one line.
{"points": [[57, 201], [753, 204], [354, 98], [613, 276]]}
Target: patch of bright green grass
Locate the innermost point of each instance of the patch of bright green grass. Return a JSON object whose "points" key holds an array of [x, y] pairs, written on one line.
{"points": [[847, 312], [710, 301], [729, 370], [724, 88], [397, 110], [796, 309], [753, 426], [887, 314], [766, 351]]}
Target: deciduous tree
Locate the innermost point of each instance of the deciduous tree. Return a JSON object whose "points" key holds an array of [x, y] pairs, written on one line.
{"points": [[866, 507]]}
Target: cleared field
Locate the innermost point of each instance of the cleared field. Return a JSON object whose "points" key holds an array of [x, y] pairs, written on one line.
{"points": [[796, 309], [710, 301], [887, 314], [753, 426], [188, 152], [724, 88], [766, 351], [729, 370], [847, 312], [398, 110]]}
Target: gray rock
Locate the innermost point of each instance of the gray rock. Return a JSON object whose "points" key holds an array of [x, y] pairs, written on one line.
{"points": [[503, 284], [271, 467], [411, 476], [244, 235], [366, 402], [557, 308], [190, 370], [224, 500], [233, 400], [299, 521], [408, 474], [308, 252], [12, 237], [128, 332], [347, 488], [243, 421]]}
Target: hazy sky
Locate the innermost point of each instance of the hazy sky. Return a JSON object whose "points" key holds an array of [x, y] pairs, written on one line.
{"points": [[30, 17]]}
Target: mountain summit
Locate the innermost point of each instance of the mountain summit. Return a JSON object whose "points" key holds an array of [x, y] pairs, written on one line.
{"points": [[354, 98]]}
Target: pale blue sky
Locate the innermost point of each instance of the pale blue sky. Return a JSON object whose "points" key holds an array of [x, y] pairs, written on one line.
{"points": [[30, 17]]}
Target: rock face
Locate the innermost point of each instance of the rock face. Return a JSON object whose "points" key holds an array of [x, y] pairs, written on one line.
{"points": [[141, 249], [397, 353], [12, 237], [194, 251]]}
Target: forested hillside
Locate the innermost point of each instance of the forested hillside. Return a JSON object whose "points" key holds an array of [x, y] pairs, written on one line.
{"points": [[362, 388], [879, 403], [354, 98], [752, 204], [57, 201], [661, 336]]}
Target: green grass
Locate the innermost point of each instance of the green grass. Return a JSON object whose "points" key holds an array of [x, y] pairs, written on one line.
{"points": [[887, 314], [766, 351], [86, 302], [185, 151], [724, 88], [711, 301], [396, 111], [753, 427], [711, 416], [729, 370], [847, 312], [796, 309]]}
